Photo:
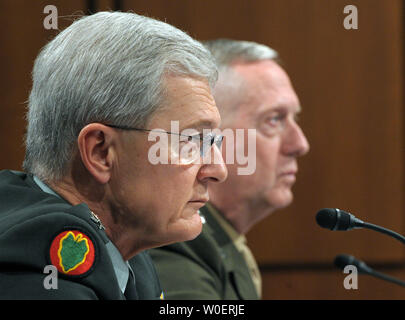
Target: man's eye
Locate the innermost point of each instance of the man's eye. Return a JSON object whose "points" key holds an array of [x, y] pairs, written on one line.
{"points": [[190, 139], [275, 120], [196, 138]]}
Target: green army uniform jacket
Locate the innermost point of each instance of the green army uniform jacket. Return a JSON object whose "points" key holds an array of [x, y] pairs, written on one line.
{"points": [[208, 267], [38, 229]]}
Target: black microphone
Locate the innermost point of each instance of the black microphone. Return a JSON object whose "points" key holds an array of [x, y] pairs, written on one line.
{"points": [[336, 219], [342, 260]]}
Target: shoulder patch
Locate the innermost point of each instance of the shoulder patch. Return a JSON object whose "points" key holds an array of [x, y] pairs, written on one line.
{"points": [[72, 252]]}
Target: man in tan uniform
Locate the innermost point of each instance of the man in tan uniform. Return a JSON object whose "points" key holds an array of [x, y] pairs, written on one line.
{"points": [[252, 92]]}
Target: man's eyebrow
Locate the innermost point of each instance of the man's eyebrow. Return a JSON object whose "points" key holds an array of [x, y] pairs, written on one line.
{"points": [[281, 108], [199, 125]]}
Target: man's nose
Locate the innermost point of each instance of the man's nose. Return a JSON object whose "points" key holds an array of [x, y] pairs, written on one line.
{"points": [[213, 168], [295, 143]]}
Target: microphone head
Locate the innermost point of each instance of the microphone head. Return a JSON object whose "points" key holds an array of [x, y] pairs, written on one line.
{"points": [[327, 218], [342, 260], [336, 219]]}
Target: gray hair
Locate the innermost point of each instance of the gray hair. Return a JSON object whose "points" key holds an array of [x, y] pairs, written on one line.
{"points": [[228, 51], [110, 68], [229, 92]]}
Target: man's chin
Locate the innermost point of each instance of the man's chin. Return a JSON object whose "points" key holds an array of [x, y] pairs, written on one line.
{"points": [[188, 227], [194, 226], [281, 198]]}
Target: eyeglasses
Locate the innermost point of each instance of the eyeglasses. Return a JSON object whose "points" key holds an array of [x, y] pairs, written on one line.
{"points": [[193, 142]]}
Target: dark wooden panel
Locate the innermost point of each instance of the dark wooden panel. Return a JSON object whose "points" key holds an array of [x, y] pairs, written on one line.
{"points": [[328, 285], [105, 5], [22, 34], [350, 83]]}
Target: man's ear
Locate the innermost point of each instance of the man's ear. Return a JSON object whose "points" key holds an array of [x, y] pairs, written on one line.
{"points": [[96, 143]]}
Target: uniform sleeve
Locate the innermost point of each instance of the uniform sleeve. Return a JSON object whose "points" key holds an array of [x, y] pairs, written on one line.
{"points": [[185, 275], [29, 245], [30, 286]]}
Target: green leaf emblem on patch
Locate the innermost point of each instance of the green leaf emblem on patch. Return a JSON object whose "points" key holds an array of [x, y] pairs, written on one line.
{"points": [[72, 251]]}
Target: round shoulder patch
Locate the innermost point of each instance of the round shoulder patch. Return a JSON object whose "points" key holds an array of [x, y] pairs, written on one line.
{"points": [[72, 252]]}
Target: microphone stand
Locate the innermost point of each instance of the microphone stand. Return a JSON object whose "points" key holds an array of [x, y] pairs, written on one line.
{"points": [[357, 223], [386, 277], [343, 260], [393, 234], [383, 230]]}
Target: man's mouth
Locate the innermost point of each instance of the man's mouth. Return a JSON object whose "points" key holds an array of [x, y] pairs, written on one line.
{"points": [[200, 200]]}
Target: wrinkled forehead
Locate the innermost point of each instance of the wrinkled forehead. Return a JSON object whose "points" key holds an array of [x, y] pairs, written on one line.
{"points": [[266, 85], [188, 101]]}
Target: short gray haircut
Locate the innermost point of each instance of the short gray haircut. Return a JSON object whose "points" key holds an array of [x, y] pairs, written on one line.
{"points": [[109, 67], [230, 93], [228, 51]]}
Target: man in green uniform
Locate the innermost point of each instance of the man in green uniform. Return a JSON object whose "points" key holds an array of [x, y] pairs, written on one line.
{"points": [[252, 92], [94, 198]]}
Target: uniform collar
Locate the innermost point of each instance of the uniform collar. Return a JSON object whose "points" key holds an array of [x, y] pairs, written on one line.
{"points": [[121, 267], [228, 240], [224, 232], [225, 224], [44, 187]]}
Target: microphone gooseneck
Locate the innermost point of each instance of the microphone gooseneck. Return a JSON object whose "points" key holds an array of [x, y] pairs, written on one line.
{"points": [[339, 220], [385, 231], [342, 260]]}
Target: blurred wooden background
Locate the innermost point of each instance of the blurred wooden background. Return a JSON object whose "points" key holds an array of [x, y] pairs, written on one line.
{"points": [[350, 83]]}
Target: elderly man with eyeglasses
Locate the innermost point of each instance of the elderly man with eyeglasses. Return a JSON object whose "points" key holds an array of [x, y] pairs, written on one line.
{"points": [[91, 202]]}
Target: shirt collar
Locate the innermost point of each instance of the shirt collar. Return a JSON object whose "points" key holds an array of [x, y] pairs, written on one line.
{"points": [[45, 187], [226, 226], [121, 267]]}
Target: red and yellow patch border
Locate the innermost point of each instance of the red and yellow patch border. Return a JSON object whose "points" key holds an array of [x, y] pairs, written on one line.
{"points": [[82, 266]]}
